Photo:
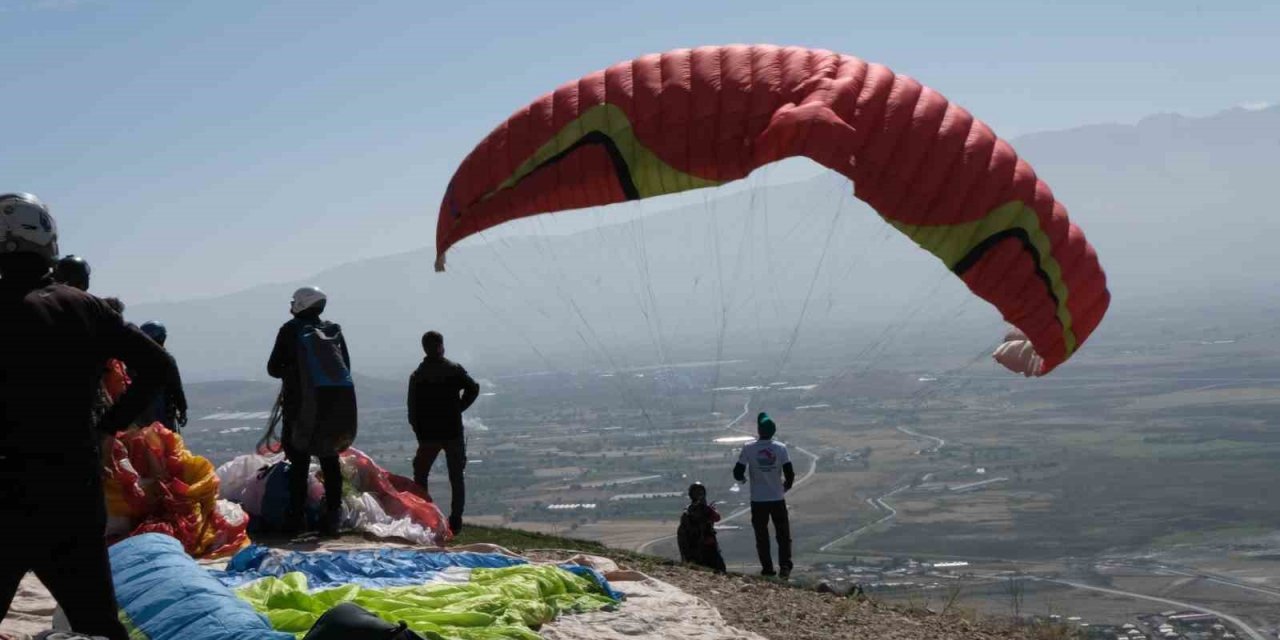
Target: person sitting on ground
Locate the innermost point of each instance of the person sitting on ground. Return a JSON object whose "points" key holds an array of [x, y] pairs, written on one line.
{"points": [[56, 340], [169, 407], [771, 478], [696, 535], [439, 391]]}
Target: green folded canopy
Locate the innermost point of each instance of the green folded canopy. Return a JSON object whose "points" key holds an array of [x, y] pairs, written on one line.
{"points": [[495, 604]]}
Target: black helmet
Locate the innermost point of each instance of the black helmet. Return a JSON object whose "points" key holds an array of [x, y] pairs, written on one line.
{"points": [[697, 487], [156, 331], [73, 271]]}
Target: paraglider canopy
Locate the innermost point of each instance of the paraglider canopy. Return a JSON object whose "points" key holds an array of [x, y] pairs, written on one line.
{"points": [[697, 118]]}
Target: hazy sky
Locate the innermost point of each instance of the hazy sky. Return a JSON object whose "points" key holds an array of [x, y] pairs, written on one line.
{"points": [[196, 148]]}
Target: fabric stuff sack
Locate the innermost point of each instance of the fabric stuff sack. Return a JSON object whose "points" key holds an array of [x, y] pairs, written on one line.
{"points": [[348, 621], [327, 418], [270, 517]]}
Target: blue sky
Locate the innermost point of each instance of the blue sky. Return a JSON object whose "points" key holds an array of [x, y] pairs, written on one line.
{"points": [[196, 148]]}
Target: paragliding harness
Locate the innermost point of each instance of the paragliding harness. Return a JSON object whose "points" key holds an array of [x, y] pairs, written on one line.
{"points": [[689, 538], [271, 516], [326, 421], [348, 621]]}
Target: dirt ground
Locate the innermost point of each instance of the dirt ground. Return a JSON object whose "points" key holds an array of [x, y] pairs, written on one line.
{"points": [[783, 612]]}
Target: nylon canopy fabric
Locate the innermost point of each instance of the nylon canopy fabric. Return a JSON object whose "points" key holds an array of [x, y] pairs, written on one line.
{"points": [[370, 568], [154, 484], [164, 595], [493, 604], [697, 118], [374, 500], [378, 567]]}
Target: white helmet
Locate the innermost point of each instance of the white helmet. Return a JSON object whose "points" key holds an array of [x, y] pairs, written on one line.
{"points": [[307, 298], [26, 226]]}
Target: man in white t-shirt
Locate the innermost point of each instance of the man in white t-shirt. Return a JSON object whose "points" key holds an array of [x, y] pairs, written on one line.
{"points": [[772, 475]]}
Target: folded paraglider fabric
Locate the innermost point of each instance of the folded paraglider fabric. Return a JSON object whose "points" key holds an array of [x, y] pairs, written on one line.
{"points": [[375, 501], [164, 595], [365, 567], [115, 379], [492, 604], [399, 497], [380, 567], [155, 484]]}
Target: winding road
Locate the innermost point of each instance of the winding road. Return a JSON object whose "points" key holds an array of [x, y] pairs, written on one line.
{"points": [[934, 449], [732, 426], [1240, 624], [1192, 572], [881, 502]]}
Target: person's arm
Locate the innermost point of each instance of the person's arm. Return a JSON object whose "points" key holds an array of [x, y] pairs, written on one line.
{"points": [[740, 469], [470, 389], [150, 368], [346, 355], [282, 356], [788, 476], [178, 397], [411, 403], [712, 514]]}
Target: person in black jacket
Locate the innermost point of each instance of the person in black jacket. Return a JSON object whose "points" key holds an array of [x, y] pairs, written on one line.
{"points": [[306, 306], [696, 535], [54, 342], [439, 391], [169, 407]]}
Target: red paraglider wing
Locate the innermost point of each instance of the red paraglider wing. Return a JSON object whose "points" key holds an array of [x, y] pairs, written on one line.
{"points": [[691, 119]]}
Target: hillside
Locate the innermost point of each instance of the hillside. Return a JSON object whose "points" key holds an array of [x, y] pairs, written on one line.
{"points": [[734, 273], [776, 610]]}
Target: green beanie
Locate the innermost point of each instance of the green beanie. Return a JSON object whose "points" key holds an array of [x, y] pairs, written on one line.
{"points": [[765, 426]]}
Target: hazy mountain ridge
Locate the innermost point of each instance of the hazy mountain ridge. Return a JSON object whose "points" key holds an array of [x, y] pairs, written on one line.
{"points": [[733, 276]]}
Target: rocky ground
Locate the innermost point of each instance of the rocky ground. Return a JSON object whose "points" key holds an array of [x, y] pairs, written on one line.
{"points": [[782, 611]]}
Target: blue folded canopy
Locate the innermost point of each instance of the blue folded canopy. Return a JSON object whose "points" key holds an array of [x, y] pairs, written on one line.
{"points": [[374, 568], [164, 595]]}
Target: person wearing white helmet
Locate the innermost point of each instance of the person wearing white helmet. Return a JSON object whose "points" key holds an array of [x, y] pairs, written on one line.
{"points": [[311, 360], [54, 342]]}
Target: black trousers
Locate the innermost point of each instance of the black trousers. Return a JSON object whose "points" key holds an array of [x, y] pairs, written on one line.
{"points": [[57, 529], [299, 465], [761, 513], [455, 457]]}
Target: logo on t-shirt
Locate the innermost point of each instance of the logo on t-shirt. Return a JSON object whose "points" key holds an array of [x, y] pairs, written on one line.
{"points": [[766, 457]]}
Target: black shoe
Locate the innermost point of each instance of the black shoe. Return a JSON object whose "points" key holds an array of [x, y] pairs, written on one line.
{"points": [[294, 526], [768, 573], [784, 574], [329, 526], [455, 524]]}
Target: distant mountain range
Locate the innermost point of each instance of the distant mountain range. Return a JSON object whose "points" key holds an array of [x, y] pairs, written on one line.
{"points": [[1180, 209]]}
